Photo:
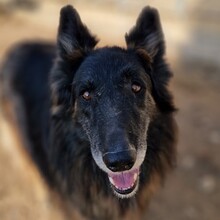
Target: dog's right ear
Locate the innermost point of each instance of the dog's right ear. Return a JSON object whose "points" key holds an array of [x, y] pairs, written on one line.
{"points": [[74, 38], [74, 42]]}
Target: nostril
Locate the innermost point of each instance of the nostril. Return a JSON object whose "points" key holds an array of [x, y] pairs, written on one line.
{"points": [[120, 161], [120, 166], [129, 165]]}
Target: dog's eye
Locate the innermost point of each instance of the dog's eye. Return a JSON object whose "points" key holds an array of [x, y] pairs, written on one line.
{"points": [[136, 87], [86, 95]]}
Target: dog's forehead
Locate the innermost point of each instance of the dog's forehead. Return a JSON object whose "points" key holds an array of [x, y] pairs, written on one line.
{"points": [[108, 62]]}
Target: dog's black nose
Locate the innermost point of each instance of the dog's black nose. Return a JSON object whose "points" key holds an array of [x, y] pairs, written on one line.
{"points": [[120, 161]]}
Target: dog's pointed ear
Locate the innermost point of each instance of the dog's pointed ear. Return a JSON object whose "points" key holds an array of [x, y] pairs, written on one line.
{"points": [[147, 34], [146, 38], [74, 38], [74, 42]]}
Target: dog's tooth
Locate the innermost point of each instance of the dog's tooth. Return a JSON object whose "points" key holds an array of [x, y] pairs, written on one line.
{"points": [[135, 176], [111, 180]]}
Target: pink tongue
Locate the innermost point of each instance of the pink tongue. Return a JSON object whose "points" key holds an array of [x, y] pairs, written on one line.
{"points": [[124, 180]]}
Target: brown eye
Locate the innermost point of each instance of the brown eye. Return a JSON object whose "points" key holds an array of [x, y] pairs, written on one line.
{"points": [[136, 88], [86, 95]]}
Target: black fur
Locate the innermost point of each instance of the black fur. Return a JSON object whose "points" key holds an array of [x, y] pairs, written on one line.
{"points": [[68, 140]]}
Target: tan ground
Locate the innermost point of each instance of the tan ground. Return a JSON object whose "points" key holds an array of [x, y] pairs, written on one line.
{"points": [[192, 191]]}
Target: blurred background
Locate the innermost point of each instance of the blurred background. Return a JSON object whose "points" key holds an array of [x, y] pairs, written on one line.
{"points": [[192, 33]]}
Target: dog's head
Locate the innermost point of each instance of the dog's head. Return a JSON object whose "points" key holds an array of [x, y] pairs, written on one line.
{"points": [[112, 92]]}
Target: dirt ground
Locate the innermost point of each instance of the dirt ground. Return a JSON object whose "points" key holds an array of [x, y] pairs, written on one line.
{"points": [[191, 192]]}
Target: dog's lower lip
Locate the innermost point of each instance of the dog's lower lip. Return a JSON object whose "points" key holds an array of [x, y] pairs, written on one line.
{"points": [[124, 191]]}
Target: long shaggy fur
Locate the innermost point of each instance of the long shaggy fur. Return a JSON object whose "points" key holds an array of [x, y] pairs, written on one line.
{"points": [[69, 136]]}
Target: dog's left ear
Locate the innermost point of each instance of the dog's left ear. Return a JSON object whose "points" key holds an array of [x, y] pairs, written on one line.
{"points": [[147, 34], [146, 39]]}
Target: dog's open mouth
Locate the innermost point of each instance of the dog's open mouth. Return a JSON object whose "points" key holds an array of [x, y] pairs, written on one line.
{"points": [[125, 184]]}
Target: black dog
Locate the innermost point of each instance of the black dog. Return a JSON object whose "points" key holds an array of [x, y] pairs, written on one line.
{"points": [[107, 137]]}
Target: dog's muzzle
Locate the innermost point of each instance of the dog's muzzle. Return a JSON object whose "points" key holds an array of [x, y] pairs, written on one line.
{"points": [[123, 179]]}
